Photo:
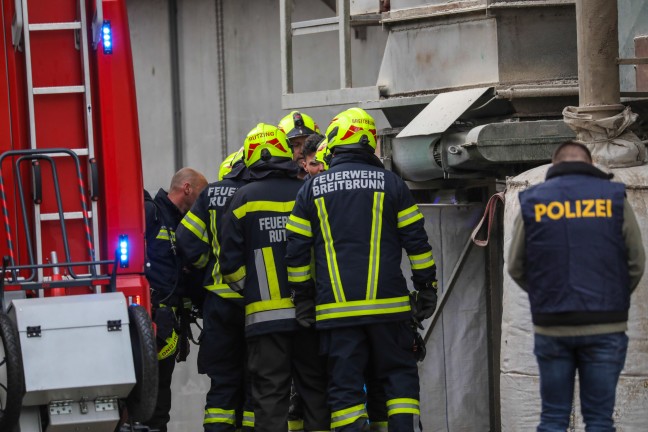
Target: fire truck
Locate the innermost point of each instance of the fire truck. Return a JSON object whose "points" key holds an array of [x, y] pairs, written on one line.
{"points": [[77, 343]]}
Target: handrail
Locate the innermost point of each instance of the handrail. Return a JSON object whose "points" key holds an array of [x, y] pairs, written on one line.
{"points": [[17, 24]]}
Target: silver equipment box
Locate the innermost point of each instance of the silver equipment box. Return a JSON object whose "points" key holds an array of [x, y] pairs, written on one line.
{"points": [[74, 347]]}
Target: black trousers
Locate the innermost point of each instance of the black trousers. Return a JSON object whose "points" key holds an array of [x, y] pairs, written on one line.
{"points": [[272, 360], [222, 356], [163, 406], [386, 350]]}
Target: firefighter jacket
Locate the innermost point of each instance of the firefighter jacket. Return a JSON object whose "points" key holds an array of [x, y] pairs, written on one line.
{"points": [[199, 234], [357, 217], [253, 251], [576, 256], [164, 268]]}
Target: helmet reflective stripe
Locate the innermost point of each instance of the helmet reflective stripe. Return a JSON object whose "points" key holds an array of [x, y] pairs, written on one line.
{"points": [[297, 124], [263, 142]]}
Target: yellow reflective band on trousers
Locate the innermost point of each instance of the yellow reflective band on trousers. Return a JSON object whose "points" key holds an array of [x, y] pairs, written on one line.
{"points": [[170, 347], [196, 226], [299, 274], [409, 216], [269, 310], [331, 257], [299, 225], [267, 206], [295, 425], [224, 291], [403, 406], [248, 419], [421, 261], [362, 307], [347, 416], [374, 245], [217, 415]]}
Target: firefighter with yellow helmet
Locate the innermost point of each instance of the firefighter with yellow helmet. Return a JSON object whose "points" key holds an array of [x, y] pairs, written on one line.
{"points": [[298, 127], [357, 217], [222, 353], [252, 262]]}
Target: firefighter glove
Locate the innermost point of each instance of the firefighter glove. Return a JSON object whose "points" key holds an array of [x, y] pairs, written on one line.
{"points": [[426, 301], [304, 299]]}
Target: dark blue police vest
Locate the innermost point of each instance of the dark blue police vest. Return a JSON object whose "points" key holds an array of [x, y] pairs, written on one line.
{"points": [[576, 263]]}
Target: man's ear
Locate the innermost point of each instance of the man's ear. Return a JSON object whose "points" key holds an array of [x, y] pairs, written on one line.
{"points": [[186, 188]]}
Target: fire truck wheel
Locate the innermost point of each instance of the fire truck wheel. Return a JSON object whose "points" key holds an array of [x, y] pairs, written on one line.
{"points": [[142, 399], [12, 383]]}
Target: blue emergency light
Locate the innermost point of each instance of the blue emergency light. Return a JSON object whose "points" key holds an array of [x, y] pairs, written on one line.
{"points": [[106, 37], [123, 251]]}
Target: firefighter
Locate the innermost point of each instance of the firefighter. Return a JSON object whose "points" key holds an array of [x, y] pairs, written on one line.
{"points": [[357, 217], [222, 343], [310, 163], [297, 127], [252, 262], [165, 274]]}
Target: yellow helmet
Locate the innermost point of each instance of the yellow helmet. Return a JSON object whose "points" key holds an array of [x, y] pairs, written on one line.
{"points": [[353, 128], [323, 155], [297, 124], [229, 162], [264, 142]]}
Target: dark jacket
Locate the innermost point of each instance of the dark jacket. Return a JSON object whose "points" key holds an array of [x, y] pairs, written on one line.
{"points": [[198, 234], [357, 217], [164, 268], [254, 246]]}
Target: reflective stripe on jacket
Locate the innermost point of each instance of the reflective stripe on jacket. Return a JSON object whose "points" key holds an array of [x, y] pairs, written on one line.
{"points": [[253, 252], [357, 217], [198, 235]]}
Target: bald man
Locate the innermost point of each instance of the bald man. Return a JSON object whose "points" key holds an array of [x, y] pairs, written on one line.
{"points": [[166, 277], [577, 251]]}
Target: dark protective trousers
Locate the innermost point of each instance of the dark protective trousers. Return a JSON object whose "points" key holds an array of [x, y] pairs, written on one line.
{"points": [[222, 357], [163, 406], [386, 350], [272, 360]]}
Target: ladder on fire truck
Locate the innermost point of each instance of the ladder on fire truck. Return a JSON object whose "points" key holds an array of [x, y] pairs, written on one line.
{"points": [[56, 30]]}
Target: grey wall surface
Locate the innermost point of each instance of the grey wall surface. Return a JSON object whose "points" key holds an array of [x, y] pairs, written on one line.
{"points": [[252, 76]]}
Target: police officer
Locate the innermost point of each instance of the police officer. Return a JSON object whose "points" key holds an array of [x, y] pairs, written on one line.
{"points": [[298, 127], [164, 272], [577, 251], [222, 353], [252, 261], [357, 217]]}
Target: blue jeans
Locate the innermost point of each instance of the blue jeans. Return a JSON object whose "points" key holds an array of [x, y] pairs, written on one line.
{"points": [[599, 360]]}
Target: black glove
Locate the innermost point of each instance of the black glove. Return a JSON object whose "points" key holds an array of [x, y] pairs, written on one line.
{"points": [[305, 312], [426, 301], [304, 299]]}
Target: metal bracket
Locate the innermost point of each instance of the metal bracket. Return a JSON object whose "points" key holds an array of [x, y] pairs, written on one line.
{"points": [[33, 331], [114, 325], [17, 24], [60, 407], [97, 24], [106, 403], [83, 406]]}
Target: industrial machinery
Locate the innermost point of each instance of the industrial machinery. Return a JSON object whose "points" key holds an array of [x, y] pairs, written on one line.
{"points": [[77, 343], [475, 92]]}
